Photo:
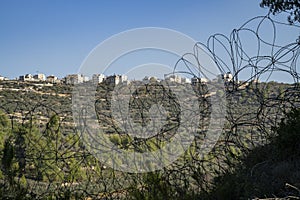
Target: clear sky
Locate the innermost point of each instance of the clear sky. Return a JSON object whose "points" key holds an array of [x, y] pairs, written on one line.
{"points": [[54, 36]]}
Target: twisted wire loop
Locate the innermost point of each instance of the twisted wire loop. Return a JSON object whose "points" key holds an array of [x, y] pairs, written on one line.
{"points": [[255, 102], [43, 154]]}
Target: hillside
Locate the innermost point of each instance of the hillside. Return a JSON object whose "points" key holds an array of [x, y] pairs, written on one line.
{"points": [[43, 152]]}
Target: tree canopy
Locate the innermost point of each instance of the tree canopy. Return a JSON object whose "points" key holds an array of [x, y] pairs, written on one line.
{"points": [[290, 6]]}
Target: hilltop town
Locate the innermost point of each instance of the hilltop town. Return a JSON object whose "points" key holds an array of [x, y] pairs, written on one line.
{"points": [[72, 79]]}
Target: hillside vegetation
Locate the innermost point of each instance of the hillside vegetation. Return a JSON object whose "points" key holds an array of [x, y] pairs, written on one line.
{"points": [[43, 155]]}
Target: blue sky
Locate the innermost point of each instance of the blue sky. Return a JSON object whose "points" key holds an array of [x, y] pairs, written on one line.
{"points": [[55, 36]]}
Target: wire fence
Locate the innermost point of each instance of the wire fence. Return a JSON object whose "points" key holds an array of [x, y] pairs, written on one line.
{"points": [[44, 157]]}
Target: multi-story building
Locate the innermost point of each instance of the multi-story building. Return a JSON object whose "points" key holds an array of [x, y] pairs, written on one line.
{"points": [[196, 80], [39, 77], [227, 77], [116, 79], [75, 79], [52, 79], [27, 77], [185, 80], [173, 78], [98, 78], [2, 78], [150, 79]]}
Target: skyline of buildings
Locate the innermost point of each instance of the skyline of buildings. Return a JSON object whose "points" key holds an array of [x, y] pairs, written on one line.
{"points": [[114, 79]]}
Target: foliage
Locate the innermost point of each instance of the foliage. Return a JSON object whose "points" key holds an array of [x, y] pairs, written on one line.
{"points": [[265, 170], [287, 139], [277, 6]]}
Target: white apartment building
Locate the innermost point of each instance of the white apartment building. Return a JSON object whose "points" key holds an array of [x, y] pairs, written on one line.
{"points": [[116, 79], [173, 78], [75, 79], [39, 77], [149, 79], [27, 77], [52, 79], [98, 78], [227, 77], [2, 78], [185, 80], [196, 80], [176, 78]]}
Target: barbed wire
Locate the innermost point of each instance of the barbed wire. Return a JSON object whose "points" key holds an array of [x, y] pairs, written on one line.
{"points": [[50, 159], [255, 103]]}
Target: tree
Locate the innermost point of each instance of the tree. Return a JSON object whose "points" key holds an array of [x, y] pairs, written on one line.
{"points": [[265, 170], [7, 160], [4, 122], [277, 6], [20, 149], [4, 129], [287, 140]]}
